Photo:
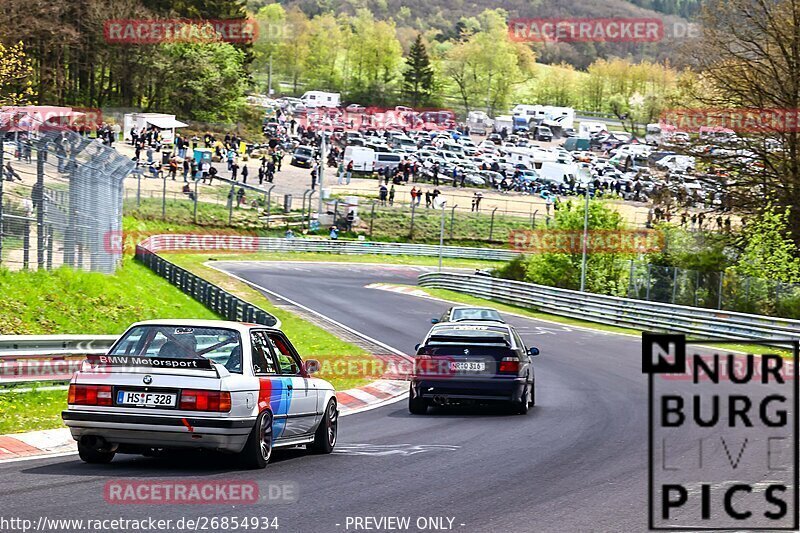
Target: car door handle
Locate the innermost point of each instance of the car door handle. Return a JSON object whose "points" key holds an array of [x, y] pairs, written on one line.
{"points": [[290, 387]]}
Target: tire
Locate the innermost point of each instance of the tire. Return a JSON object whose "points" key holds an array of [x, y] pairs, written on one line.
{"points": [[522, 407], [417, 406], [93, 456], [257, 450], [327, 431]]}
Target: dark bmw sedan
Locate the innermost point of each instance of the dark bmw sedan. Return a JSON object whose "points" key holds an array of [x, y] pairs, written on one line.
{"points": [[472, 362]]}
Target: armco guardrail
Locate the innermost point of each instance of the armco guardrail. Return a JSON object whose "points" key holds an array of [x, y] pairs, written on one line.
{"points": [[246, 243], [215, 298], [637, 314], [54, 358]]}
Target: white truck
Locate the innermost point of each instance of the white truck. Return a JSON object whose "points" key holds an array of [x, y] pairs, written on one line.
{"points": [[504, 121], [362, 158], [320, 99]]}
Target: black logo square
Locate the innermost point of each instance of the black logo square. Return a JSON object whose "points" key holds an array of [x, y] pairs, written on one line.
{"points": [[663, 353]]}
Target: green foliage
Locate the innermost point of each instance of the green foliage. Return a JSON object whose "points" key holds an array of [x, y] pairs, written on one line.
{"points": [[204, 81], [418, 79], [605, 272], [68, 301], [768, 251]]}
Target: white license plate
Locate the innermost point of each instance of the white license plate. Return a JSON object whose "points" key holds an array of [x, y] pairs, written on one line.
{"points": [[146, 399], [472, 366]]}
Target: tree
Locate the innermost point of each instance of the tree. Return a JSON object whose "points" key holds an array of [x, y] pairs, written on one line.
{"points": [[418, 82], [16, 76], [748, 60], [271, 21], [768, 251]]}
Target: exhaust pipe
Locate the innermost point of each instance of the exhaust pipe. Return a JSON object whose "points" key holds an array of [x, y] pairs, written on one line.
{"points": [[98, 443], [440, 400]]}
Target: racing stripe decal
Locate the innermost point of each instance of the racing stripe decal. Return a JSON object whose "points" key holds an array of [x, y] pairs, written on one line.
{"points": [[273, 392]]}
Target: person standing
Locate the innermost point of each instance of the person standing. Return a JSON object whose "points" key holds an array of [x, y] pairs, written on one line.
{"points": [[391, 195], [349, 172], [234, 169], [428, 199], [436, 173], [413, 194], [245, 173], [314, 177], [382, 192]]}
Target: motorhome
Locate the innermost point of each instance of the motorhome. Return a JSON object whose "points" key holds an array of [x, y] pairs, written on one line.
{"points": [[555, 117], [590, 127], [479, 122], [502, 122], [320, 99]]}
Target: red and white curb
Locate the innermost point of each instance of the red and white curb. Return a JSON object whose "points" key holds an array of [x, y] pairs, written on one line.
{"points": [[59, 442]]}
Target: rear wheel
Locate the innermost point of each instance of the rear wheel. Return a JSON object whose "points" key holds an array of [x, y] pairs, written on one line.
{"points": [[522, 406], [93, 455], [417, 405], [325, 436], [258, 449]]}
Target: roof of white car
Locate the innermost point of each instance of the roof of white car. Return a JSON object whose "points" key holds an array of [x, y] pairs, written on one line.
{"points": [[240, 326]]}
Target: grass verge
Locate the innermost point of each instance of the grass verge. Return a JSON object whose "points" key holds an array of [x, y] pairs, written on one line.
{"points": [[31, 410], [310, 340]]}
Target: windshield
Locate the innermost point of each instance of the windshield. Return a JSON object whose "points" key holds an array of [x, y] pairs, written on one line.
{"points": [[475, 314], [218, 345], [303, 151]]}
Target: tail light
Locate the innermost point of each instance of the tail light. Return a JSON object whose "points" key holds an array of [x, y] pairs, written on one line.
{"points": [[89, 394], [205, 400], [509, 365]]}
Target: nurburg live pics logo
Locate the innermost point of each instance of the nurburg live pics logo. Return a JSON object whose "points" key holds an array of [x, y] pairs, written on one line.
{"points": [[722, 434]]}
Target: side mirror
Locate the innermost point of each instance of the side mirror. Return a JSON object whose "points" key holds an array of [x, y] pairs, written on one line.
{"points": [[434, 320], [416, 347], [532, 351], [312, 366]]}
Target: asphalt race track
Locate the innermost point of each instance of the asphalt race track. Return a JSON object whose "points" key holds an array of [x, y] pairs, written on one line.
{"points": [[576, 462]]}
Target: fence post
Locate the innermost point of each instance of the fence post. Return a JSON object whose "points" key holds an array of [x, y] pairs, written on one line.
{"points": [[196, 199], [647, 296], [719, 292], [26, 244], [413, 211], [630, 281], [38, 202], [2, 179], [491, 224], [533, 219], [269, 204], [371, 216], [164, 196], [138, 189], [674, 282], [49, 247], [452, 220], [231, 199], [309, 209]]}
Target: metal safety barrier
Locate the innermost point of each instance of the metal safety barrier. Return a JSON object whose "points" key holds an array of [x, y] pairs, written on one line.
{"points": [[636, 314], [219, 300]]}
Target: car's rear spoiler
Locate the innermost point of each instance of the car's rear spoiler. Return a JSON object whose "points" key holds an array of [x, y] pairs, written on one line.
{"points": [[469, 340]]}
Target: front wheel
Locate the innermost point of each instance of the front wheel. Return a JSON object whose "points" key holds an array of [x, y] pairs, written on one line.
{"points": [[327, 431], [258, 449], [93, 455]]}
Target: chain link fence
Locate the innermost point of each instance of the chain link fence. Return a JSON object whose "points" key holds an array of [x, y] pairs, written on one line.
{"points": [[60, 197], [714, 290]]}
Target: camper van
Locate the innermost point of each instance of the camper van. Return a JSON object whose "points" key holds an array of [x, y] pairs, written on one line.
{"points": [[590, 127], [503, 122], [320, 99], [554, 117], [479, 122]]}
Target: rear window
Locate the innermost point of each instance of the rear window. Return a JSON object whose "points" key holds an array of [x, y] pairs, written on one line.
{"points": [[468, 334], [218, 345], [476, 314], [302, 151]]}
